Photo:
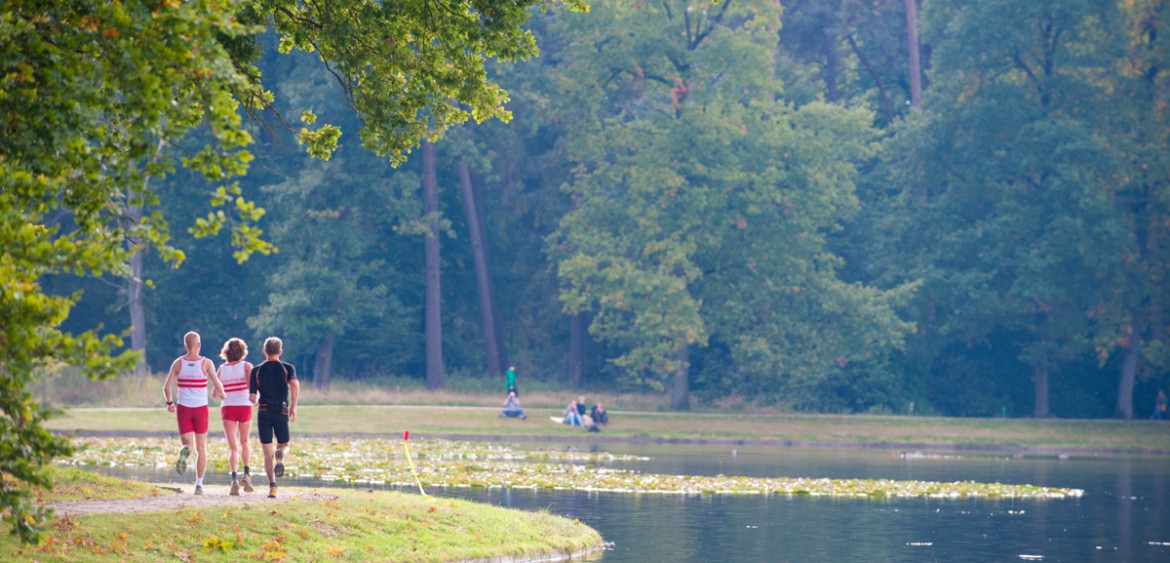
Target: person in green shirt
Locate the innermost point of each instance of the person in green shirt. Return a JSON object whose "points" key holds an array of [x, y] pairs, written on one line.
{"points": [[510, 386]]}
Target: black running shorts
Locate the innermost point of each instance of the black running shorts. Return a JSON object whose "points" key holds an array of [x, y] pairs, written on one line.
{"points": [[267, 427]]}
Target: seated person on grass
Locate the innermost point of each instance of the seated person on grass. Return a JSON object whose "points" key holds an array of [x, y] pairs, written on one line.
{"points": [[572, 417], [599, 414], [512, 407], [581, 411]]}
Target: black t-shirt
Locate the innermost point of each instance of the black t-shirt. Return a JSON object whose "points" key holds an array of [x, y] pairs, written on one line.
{"points": [[270, 380]]}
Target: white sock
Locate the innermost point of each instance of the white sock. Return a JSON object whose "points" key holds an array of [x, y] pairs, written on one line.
{"points": [[198, 481]]}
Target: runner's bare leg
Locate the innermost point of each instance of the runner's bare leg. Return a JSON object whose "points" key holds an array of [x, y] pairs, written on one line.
{"points": [[201, 451], [244, 428], [269, 454], [232, 432]]}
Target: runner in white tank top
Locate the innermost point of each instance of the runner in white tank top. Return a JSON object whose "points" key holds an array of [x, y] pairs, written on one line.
{"points": [[191, 374], [234, 377], [192, 382], [236, 410]]}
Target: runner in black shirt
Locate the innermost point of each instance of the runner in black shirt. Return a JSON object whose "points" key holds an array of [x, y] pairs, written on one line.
{"points": [[273, 387]]}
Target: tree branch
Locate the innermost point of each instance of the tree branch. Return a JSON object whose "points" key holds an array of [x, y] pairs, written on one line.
{"points": [[876, 78], [710, 25]]}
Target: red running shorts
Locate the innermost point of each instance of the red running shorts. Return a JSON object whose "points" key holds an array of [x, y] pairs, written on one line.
{"points": [[236, 413], [192, 419]]}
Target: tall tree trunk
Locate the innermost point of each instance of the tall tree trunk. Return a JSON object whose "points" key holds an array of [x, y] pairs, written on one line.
{"points": [[323, 366], [1125, 381], [576, 349], [1040, 378], [831, 58], [680, 385], [477, 190], [134, 284], [1151, 251], [134, 300], [915, 63], [434, 327], [1041, 366], [487, 313]]}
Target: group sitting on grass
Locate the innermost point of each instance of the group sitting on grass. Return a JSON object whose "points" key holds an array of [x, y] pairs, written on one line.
{"points": [[575, 415]]}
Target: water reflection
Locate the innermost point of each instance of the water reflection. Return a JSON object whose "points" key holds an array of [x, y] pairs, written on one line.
{"points": [[1123, 515]]}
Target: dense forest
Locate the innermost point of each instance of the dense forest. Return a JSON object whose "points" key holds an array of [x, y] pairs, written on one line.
{"points": [[947, 207]]}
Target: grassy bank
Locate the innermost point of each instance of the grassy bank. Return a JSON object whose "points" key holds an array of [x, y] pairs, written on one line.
{"points": [[71, 484], [353, 525], [432, 421]]}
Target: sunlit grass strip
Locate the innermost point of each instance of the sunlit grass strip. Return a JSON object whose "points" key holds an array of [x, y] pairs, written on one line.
{"points": [[471, 464], [75, 484], [353, 526], [794, 429]]}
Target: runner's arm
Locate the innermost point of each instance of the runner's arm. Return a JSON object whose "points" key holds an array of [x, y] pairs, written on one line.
{"points": [[213, 375], [253, 386], [294, 391], [172, 378]]}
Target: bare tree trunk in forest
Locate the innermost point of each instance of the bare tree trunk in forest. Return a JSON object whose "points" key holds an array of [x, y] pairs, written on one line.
{"points": [[576, 350], [134, 300], [1040, 378], [680, 385], [1040, 365], [134, 284], [915, 63], [487, 311], [434, 327], [477, 191], [323, 366], [831, 60], [1125, 381], [1127, 377], [1153, 249]]}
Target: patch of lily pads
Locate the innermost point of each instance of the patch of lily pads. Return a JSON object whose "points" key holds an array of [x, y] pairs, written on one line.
{"points": [[442, 463]]}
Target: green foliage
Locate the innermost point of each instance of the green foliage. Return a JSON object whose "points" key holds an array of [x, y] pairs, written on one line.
{"points": [[703, 202], [412, 68], [336, 283], [1011, 212], [846, 51], [93, 94]]}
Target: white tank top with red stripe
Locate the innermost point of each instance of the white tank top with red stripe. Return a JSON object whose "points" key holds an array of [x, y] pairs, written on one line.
{"points": [[234, 378], [192, 383]]}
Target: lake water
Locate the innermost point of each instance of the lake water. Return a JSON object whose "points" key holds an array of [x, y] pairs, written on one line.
{"points": [[1124, 514]]}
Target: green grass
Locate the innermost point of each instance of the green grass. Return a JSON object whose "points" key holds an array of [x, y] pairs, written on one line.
{"points": [[76, 484], [354, 526], [424, 421]]}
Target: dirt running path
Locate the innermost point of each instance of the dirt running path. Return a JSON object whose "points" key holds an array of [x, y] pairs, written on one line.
{"points": [[176, 496]]}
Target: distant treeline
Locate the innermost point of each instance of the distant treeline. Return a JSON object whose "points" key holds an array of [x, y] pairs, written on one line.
{"points": [[951, 207]]}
